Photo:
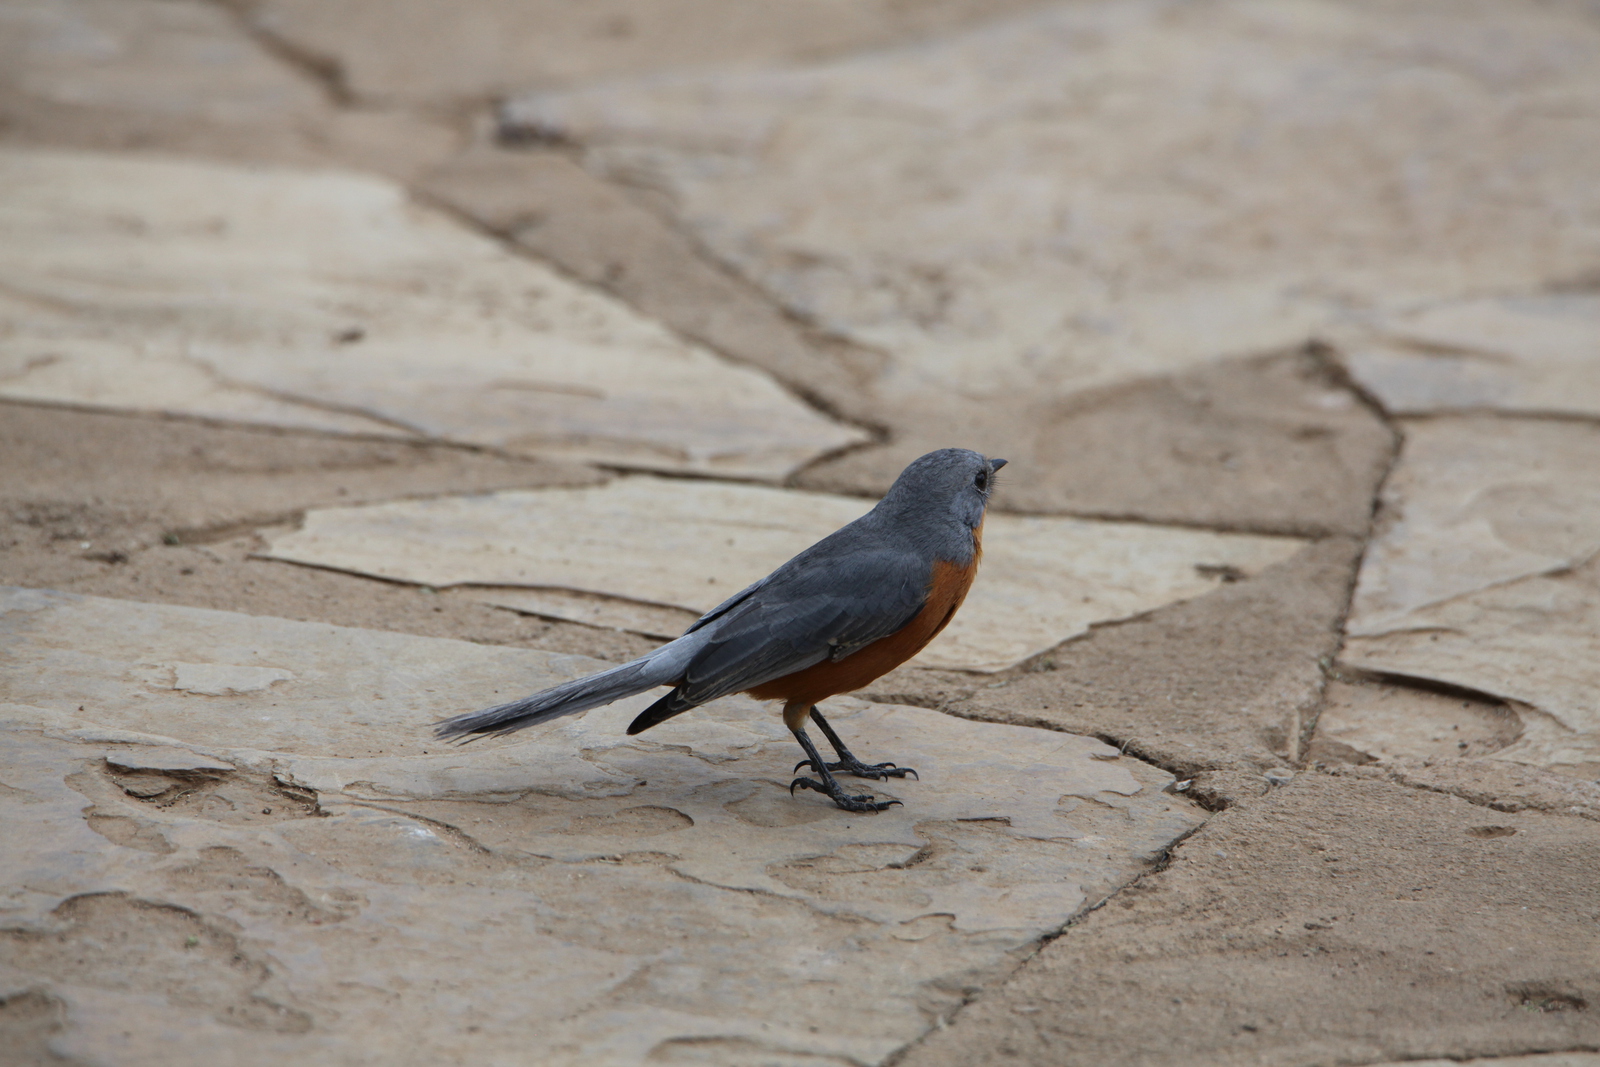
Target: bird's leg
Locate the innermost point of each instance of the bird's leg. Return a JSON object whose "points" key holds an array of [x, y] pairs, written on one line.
{"points": [[829, 784], [847, 760]]}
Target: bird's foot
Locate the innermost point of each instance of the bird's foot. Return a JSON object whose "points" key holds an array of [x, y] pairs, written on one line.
{"points": [[845, 800], [851, 765], [847, 759]]}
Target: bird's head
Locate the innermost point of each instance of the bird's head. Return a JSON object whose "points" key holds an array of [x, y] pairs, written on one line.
{"points": [[950, 483]]}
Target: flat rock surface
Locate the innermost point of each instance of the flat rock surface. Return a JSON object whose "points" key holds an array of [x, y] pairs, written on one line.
{"points": [[1483, 575], [1537, 354], [612, 899], [1101, 191], [1419, 926], [328, 301], [691, 545], [122, 482], [1253, 296], [184, 76], [1220, 689], [414, 51], [1271, 444]]}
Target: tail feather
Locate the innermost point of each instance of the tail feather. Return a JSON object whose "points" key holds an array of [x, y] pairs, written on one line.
{"points": [[659, 668]]}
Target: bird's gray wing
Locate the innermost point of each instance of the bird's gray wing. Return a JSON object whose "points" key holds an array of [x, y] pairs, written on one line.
{"points": [[816, 607]]}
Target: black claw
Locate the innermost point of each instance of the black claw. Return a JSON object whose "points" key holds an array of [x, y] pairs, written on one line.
{"points": [[874, 770], [804, 763], [866, 802]]}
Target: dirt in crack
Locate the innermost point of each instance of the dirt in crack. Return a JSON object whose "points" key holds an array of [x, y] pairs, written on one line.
{"points": [[117, 942]]}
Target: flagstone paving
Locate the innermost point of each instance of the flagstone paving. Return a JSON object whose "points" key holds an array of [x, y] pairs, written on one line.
{"points": [[1538, 354], [1302, 292], [623, 896], [1101, 192], [671, 543], [1483, 575], [328, 301]]}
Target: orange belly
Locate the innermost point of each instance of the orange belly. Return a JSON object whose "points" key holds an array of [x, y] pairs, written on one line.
{"points": [[830, 678]]}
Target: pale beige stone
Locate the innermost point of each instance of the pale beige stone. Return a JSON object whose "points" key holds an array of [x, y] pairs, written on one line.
{"points": [[1474, 503], [225, 679], [1110, 190], [1534, 642], [1525, 354], [159, 758], [1485, 575], [1549, 1059], [652, 542], [599, 898], [1386, 722], [177, 60], [188, 76], [329, 301], [420, 50]]}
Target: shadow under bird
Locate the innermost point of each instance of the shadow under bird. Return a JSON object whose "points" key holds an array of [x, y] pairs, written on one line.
{"points": [[846, 611]]}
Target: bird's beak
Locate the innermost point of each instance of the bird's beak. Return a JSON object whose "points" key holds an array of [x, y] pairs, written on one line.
{"points": [[996, 464]]}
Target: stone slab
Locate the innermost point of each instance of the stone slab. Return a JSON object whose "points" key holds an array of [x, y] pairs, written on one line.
{"points": [[413, 51], [163, 759], [1548, 1059], [607, 899], [187, 76], [691, 545], [1331, 921], [1219, 689], [541, 199], [1536, 354], [1275, 443], [1104, 191], [1373, 721], [328, 301], [1484, 575]]}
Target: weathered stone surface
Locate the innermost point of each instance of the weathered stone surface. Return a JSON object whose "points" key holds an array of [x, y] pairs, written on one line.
{"points": [[1523, 354], [121, 482], [1110, 190], [691, 545], [1333, 921], [417, 51], [184, 76], [1219, 689], [1552, 1059], [1498, 785], [1371, 721], [547, 204], [1267, 444], [1484, 575], [599, 898], [330, 302], [162, 759]]}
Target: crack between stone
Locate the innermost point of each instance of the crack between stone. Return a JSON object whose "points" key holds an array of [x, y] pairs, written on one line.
{"points": [[324, 71], [877, 434], [1558, 571], [1162, 861], [1398, 776], [1467, 1057], [1531, 415], [1326, 357]]}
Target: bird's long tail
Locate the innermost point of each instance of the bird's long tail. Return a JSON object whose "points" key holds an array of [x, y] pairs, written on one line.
{"points": [[661, 667]]}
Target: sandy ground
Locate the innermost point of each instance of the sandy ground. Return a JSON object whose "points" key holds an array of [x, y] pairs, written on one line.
{"points": [[1378, 873]]}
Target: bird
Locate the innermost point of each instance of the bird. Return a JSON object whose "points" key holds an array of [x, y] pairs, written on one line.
{"points": [[836, 617]]}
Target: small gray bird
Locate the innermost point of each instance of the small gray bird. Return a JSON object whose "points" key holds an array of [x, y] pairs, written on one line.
{"points": [[844, 612]]}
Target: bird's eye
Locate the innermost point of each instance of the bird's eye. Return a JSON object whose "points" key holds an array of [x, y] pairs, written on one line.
{"points": [[981, 481]]}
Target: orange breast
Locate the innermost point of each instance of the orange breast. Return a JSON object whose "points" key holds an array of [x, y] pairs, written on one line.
{"points": [[829, 678]]}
